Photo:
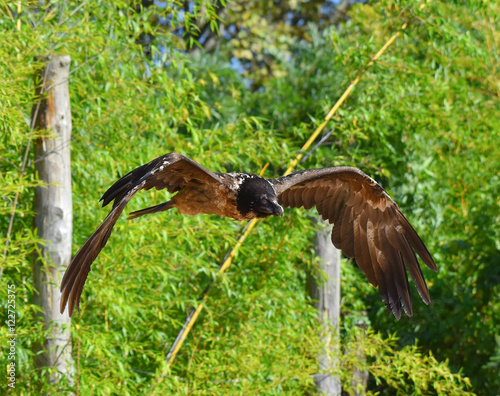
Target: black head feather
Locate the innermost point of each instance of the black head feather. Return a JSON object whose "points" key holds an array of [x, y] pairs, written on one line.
{"points": [[256, 195]]}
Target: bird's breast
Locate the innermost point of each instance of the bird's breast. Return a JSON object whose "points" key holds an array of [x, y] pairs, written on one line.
{"points": [[202, 199]]}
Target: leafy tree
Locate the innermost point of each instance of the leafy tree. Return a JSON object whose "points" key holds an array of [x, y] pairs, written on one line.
{"points": [[427, 106], [256, 36]]}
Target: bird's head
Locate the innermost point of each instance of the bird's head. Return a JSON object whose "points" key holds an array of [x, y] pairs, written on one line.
{"points": [[256, 196]]}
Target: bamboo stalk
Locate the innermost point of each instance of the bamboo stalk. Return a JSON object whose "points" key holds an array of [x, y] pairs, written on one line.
{"points": [[176, 346], [18, 23], [195, 312]]}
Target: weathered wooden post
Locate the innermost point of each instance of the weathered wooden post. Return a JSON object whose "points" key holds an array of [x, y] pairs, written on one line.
{"points": [[326, 294], [54, 215]]}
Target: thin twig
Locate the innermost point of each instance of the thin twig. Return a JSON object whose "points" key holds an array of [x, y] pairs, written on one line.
{"points": [[84, 63], [317, 145], [61, 12], [73, 12], [23, 168], [77, 385]]}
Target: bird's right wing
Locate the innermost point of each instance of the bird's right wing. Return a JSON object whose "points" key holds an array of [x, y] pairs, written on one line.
{"points": [[171, 171]]}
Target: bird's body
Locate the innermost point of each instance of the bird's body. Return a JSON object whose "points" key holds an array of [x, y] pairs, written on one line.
{"points": [[221, 200], [368, 225]]}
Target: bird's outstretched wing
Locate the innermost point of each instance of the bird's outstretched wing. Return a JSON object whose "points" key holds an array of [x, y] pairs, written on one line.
{"points": [[368, 227], [171, 171]]}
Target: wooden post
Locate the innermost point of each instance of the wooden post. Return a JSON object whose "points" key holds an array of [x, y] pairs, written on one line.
{"points": [[54, 215], [326, 296]]}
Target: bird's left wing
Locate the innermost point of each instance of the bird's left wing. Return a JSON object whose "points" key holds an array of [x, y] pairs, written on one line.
{"points": [[171, 171], [368, 226]]}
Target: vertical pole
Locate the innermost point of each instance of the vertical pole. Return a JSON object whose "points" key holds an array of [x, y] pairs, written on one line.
{"points": [[53, 218], [326, 296]]}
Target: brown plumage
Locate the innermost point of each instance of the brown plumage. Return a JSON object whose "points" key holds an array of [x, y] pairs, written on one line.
{"points": [[368, 225]]}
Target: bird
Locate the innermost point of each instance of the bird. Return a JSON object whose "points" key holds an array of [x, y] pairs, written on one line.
{"points": [[367, 224]]}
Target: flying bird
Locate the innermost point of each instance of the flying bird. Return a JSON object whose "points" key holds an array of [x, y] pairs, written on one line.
{"points": [[367, 224]]}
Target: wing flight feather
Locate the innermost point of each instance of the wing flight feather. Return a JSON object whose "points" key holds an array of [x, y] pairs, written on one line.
{"points": [[367, 226], [171, 171]]}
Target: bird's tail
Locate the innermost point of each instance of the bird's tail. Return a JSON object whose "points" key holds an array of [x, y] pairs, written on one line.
{"points": [[153, 209]]}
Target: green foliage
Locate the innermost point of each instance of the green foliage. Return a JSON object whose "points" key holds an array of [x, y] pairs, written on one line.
{"points": [[407, 369], [423, 121]]}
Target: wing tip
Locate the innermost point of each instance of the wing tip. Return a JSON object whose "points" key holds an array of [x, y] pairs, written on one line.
{"points": [[65, 297], [62, 305], [395, 309]]}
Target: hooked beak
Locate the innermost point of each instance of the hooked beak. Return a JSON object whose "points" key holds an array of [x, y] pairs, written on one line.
{"points": [[271, 209], [278, 210]]}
